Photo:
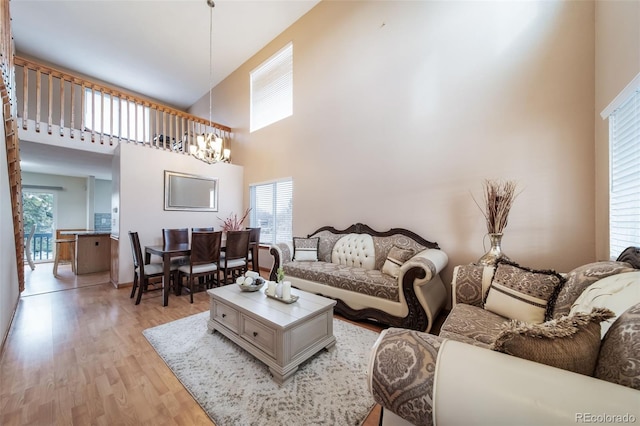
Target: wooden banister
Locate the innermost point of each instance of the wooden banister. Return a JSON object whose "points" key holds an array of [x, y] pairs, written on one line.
{"points": [[9, 109], [111, 91], [112, 115]]}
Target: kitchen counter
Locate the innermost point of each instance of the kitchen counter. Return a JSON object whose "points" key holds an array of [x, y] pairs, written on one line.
{"points": [[93, 251], [85, 233]]}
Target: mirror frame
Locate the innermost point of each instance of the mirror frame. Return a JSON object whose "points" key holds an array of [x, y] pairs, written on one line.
{"points": [[170, 202]]}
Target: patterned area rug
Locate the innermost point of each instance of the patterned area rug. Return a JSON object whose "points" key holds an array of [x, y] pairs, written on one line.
{"points": [[234, 388]]}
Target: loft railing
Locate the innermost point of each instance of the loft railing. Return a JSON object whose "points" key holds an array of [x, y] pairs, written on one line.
{"points": [[59, 103]]}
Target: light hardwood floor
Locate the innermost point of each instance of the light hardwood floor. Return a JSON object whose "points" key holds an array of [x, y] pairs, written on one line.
{"points": [[75, 354]]}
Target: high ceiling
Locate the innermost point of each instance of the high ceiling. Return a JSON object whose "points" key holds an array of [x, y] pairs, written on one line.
{"points": [[158, 49]]}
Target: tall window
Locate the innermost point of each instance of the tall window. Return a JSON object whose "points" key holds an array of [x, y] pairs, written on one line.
{"points": [[123, 119], [272, 89], [624, 189], [271, 210]]}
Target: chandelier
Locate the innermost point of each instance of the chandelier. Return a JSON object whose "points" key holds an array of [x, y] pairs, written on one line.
{"points": [[210, 146]]}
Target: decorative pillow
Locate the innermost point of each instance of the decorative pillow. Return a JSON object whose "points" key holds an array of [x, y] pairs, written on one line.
{"points": [[570, 342], [521, 293], [582, 277], [395, 259], [619, 360], [305, 249], [616, 292]]}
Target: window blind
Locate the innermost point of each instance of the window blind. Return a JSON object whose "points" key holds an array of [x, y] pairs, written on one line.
{"points": [[272, 89], [624, 192], [271, 210]]}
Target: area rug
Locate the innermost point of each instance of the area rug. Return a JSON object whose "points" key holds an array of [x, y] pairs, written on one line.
{"points": [[234, 388]]}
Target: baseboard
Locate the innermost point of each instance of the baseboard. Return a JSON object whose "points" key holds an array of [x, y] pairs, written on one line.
{"points": [[6, 334], [122, 285]]}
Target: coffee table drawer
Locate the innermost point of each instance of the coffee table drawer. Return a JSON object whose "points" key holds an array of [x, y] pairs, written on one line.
{"points": [[226, 315], [259, 335]]}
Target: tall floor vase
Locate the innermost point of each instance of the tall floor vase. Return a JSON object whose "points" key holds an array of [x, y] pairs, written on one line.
{"points": [[495, 253]]}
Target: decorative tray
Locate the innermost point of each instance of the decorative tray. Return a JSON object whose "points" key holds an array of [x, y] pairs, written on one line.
{"points": [[294, 298]]}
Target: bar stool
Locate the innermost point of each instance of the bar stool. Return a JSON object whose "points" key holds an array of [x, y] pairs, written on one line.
{"points": [[65, 250]]}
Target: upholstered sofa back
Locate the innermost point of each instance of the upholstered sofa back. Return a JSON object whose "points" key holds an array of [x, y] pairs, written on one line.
{"points": [[380, 246], [355, 250]]}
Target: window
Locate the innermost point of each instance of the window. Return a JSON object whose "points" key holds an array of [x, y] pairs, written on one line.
{"points": [[271, 210], [134, 118], [272, 89], [624, 183]]}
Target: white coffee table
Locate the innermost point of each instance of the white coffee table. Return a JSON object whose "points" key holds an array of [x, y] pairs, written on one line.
{"points": [[280, 335]]}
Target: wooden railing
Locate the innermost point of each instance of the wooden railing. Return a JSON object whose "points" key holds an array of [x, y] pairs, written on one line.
{"points": [[7, 89], [71, 106]]}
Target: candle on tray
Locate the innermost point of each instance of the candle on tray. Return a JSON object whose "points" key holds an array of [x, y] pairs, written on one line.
{"points": [[286, 290], [271, 288], [279, 290]]}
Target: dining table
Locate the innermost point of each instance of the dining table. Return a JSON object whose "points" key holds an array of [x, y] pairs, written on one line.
{"points": [[166, 252]]}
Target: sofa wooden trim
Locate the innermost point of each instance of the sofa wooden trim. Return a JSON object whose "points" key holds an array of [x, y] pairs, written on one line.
{"points": [[416, 319]]}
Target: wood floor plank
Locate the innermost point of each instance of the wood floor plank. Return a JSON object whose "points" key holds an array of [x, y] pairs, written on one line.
{"points": [[75, 354]]}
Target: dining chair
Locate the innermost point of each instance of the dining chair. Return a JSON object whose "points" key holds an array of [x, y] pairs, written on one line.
{"points": [[203, 262], [254, 248], [176, 236], [207, 229], [142, 273], [235, 261]]}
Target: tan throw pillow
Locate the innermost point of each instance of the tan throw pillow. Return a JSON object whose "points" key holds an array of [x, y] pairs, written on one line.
{"points": [[619, 360], [305, 249], [570, 342], [395, 259], [522, 293]]}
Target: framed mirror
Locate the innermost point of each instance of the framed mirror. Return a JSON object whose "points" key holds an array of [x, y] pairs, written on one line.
{"points": [[183, 191]]}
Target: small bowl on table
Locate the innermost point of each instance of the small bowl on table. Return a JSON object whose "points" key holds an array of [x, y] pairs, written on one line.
{"points": [[256, 285]]}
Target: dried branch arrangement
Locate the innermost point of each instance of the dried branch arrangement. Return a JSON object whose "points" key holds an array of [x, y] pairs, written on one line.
{"points": [[233, 223], [498, 199]]}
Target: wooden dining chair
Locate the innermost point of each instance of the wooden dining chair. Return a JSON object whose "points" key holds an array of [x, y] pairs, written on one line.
{"points": [[142, 274], [254, 248], [235, 261], [208, 229], [176, 236], [203, 262]]}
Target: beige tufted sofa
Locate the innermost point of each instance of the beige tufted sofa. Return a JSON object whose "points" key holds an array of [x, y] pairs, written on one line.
{"points": [[457, 379], [349, 268]]}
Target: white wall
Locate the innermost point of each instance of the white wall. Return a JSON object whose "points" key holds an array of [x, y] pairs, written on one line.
{"points": [[102, 201], [401, 109], [141, 197], [617, 62], [8, 266]]}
